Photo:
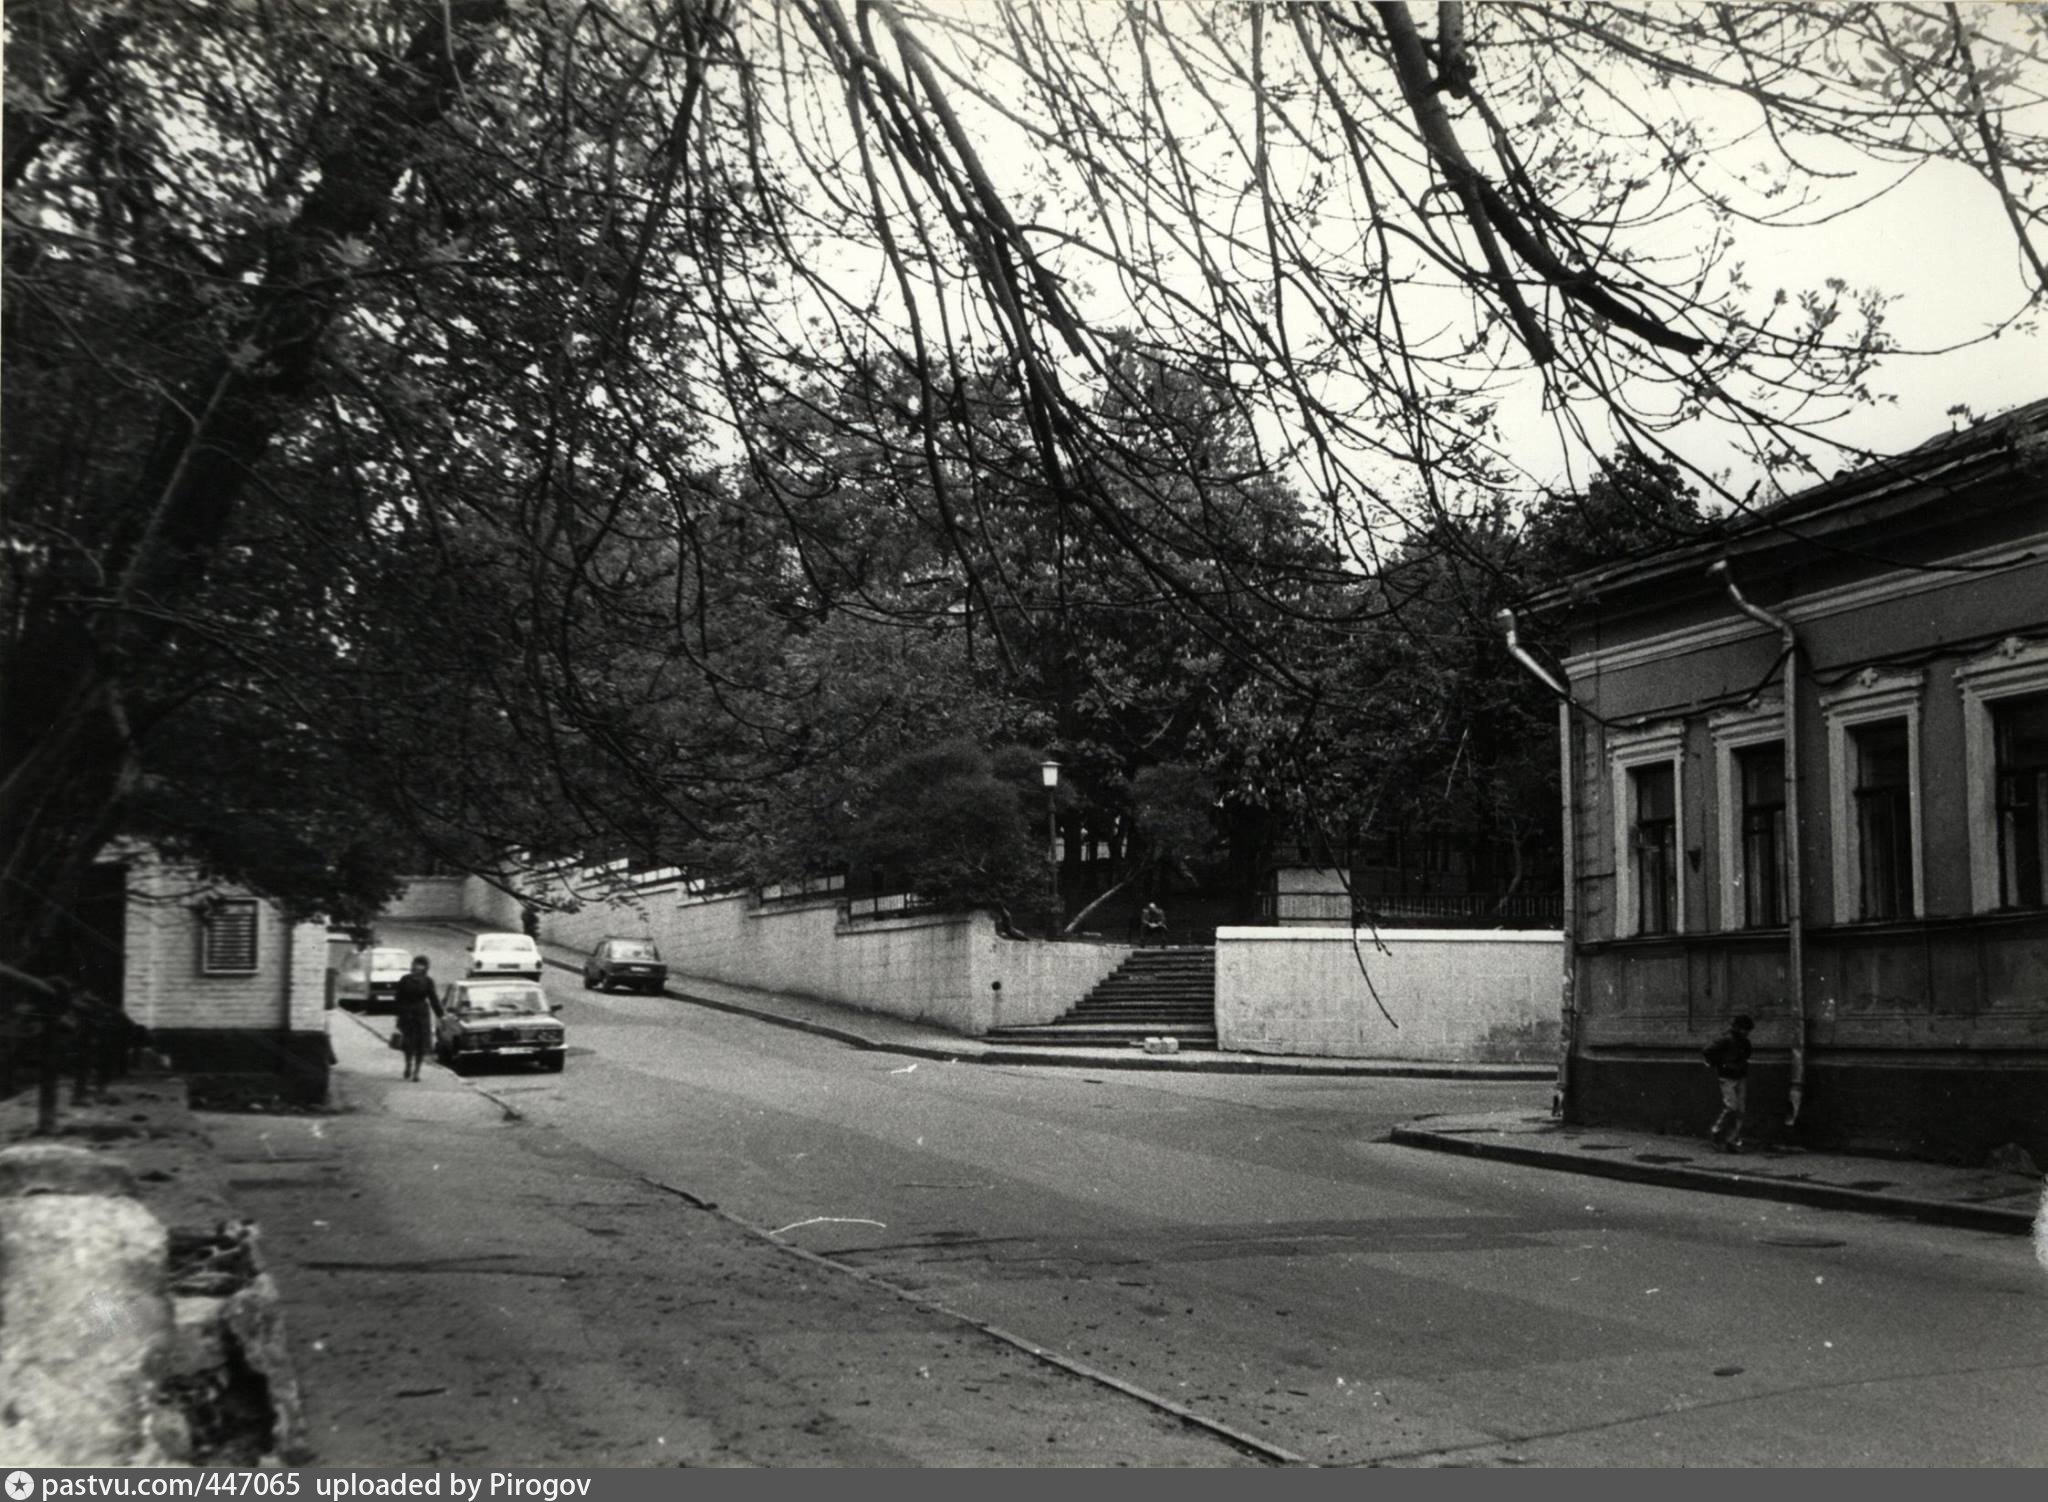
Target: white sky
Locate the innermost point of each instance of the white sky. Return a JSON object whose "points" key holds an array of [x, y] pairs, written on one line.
{"points": [[1938, 243]]}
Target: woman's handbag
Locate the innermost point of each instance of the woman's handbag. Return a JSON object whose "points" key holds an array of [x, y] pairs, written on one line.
{"points": [[397, 1040]]}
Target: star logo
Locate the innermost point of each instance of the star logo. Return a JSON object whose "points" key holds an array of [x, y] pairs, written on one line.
{"points": [[20, 1486]]}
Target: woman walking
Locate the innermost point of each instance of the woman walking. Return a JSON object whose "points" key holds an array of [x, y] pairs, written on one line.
{"points": [[417, 1009]]}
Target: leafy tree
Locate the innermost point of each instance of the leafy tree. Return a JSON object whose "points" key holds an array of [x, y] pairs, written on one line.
{"points": [[1425, 726], [941, 822], [476, 294]]}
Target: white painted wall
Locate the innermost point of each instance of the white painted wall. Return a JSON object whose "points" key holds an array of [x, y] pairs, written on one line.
{"points": [[1458, 995], [164, 987], [943, 969], [431, 897]]}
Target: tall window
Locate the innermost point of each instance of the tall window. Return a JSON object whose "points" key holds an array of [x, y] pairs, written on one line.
{"points": [[1884, 819], [2021, 798], [1762, 773], [1654, 847]]}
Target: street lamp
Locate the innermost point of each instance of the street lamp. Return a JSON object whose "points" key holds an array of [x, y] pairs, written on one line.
{"points": [[1049, 774]]}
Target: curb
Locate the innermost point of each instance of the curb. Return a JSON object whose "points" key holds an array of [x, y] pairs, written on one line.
{"points": [[984, 1053], [1707, 1181]]}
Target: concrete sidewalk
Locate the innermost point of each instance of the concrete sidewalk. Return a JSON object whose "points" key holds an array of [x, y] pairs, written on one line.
{"points": [[1976, 1198], [886, 1034]]}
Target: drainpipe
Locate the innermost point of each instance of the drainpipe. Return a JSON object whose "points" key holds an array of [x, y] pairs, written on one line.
{"points": [[1795, 897], [1568, 996]]}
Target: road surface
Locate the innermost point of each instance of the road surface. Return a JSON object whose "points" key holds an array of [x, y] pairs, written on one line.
{"points": [[1250, 1250]]}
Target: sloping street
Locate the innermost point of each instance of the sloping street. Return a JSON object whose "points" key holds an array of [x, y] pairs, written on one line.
{"points": [[1246, 1248]]}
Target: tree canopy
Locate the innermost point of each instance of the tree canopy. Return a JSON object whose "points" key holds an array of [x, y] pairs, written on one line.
{"points": [[399, 396]]}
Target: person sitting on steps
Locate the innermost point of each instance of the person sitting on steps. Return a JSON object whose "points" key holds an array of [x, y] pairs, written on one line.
{"points": [[1152, 924]]}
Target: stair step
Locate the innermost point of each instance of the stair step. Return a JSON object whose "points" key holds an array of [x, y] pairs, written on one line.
{"points": [[1059, 1033], [1154, 993]]}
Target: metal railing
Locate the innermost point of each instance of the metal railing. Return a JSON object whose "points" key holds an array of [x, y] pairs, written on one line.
{"points": [[804, 886], [1538, 910], [59, 1017], [891, 905]]}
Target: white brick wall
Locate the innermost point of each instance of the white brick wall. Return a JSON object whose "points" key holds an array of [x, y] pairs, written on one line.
{"points": [[164, 987], [1458, 995]]}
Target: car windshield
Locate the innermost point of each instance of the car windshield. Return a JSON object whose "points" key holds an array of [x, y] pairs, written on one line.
{"points": [[634, 949], [503, 941], [390, 959], [503, 999]]}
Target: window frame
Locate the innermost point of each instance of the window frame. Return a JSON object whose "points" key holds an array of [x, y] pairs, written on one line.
{"points": [[1871, 698], [2014, 669], [1625, 755], [209, 914], [1732, 733]]}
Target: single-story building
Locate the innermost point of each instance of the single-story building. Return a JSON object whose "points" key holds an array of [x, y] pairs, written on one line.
{"points": [[1807, 780], [232, 992]]}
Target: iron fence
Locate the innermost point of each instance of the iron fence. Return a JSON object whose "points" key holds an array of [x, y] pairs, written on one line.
{"points": [[1523, 910]]}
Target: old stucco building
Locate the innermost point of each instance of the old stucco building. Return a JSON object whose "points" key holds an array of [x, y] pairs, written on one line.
{"points": [[1862, 871]]}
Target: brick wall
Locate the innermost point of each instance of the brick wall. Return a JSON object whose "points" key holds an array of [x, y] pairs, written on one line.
{"points": [[164, 986]]}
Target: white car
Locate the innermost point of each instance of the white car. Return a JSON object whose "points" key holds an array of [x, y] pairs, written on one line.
{"points": [[366, 980], [504, 954]]}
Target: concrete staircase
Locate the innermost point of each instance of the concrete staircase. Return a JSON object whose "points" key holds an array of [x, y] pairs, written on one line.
{"points": [[1169, 992]]}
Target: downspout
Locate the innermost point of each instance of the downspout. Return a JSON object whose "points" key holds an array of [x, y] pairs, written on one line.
{"points": [[1795, 897], [1568, 996]]}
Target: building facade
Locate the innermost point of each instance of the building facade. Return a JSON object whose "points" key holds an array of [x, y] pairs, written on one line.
{"points": [[1861, 868], [233, 993]]}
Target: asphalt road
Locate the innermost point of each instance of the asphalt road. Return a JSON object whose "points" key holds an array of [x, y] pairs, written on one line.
{"points": [[1249, 1247]]}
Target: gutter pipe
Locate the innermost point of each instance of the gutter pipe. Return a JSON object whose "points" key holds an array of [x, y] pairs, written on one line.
{"points": [[1568, 996], [1795, 897]]}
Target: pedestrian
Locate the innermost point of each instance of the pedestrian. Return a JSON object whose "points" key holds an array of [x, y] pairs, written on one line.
{"points": [[417, 1009], [1728, 1057], [1152, 924], [529, 919]]}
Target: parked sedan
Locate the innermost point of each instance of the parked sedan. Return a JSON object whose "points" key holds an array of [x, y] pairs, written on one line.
{"points": [[504, 954], [633, 963], [509, 1020], [366, 980]]}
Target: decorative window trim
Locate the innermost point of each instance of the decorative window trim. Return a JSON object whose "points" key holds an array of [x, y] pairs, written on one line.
{"points": [[214, 937], [1625, 754], [1872, 696], [2013, 669], [1732, 732]]}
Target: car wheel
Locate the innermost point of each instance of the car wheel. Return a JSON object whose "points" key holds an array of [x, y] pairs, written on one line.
{"points": [[588, 983], [553, 1063]]}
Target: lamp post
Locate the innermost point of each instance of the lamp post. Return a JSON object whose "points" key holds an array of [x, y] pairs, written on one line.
{"points": [[1049, 774]]}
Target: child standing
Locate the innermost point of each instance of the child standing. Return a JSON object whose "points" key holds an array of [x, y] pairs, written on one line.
{"points": [[1728, 1057]]}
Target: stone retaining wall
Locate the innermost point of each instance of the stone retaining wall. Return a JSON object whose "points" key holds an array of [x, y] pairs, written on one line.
{"points": [[1455, 995], [949, 969]]}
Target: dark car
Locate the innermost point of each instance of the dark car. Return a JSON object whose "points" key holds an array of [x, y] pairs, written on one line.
{"points": [[509, 1020], [633, 963]]}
